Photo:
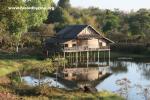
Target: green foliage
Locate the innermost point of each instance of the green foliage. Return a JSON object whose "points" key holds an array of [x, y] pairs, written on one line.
{"points": [[46, 30], [111, 23], [60, 15], [55, 15], [140, 22], [64, 4], [45, 65], [36, 17], [17, 21]]}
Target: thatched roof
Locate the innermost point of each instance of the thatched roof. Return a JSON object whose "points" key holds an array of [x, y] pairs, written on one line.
{"points": [[72, 32]]}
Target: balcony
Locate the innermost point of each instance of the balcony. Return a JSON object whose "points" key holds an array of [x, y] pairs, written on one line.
{"points": [[86, 48]]}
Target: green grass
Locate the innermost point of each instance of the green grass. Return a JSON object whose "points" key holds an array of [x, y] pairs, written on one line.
{"points": [[58, 94], [104, 95], [4, 71], [9, 66]]}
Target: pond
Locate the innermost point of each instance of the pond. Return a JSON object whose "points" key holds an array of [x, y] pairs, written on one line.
{"points": [[137, 74], [48, 80]]}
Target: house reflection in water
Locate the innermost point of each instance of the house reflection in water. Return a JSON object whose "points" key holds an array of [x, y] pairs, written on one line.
{"points": [[85, 74]]}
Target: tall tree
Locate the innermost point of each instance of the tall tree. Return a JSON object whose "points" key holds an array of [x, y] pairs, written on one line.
{"points": [[36, 17], [64, 4], [17, 21], [111, 23], [140, 22]]}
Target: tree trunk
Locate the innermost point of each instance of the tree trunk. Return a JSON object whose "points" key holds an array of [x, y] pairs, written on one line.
{"points": [[39, 77], [17, 47], [20, 76]]}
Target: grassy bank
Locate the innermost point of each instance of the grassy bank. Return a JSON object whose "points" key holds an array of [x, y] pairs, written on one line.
{"points": [[8, 66], [59, 94], [79, 96]]}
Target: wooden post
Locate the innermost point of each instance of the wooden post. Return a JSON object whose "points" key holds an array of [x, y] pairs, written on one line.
{"points": [[69, 53], [80, 57], [70, 59], [98, 58], [94, 57], [89, 56], [64, 59], [104, 57], [76, 59], [83, 57], [109, 58], [87, 59]]}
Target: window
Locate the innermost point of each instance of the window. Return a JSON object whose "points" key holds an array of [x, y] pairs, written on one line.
{"points": [[74, 45], [66, 45], [66, 75], [100, 44], [73, 74]]}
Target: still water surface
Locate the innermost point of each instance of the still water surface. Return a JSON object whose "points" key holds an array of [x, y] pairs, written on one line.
{"points": [[138, 73]]}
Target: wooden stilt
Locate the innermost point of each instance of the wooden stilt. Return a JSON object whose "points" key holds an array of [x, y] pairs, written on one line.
{"points": [[80, 57], [98, 58], [76, 59], [71, 58], [109, 58], [104, 58], [65, 59], [83, 58], [87, 59], [68, 57], [94, 57]]}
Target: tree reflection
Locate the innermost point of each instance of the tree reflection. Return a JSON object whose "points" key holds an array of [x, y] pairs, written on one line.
{"points": [[119, 67], [145, 70]]}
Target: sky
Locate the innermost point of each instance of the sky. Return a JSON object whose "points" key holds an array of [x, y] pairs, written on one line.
{"points": [[124, 5]]}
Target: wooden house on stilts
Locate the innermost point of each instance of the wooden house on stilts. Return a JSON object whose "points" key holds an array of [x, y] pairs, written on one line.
{"points": [[80, 43]]}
